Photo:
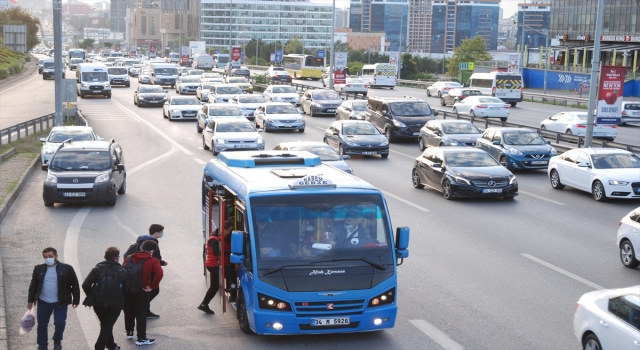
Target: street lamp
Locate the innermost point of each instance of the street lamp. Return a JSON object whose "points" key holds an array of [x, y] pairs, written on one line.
{"points": [[524, 12], [544, 32]]}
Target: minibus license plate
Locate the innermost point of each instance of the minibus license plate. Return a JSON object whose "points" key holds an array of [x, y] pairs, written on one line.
{"points": [[330, 321], [74, 194], [492, 190]]}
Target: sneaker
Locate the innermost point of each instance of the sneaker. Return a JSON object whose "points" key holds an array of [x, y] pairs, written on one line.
{"points": [[57, 345], [129, 335], [114, 347], [145, 341], [152, 315], [205, 308]]}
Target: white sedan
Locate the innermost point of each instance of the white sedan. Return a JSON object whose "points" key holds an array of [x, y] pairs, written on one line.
{"points": [[608, 319], [604, 172], [575, 123], [628, 239], [181, 107], [229, 134], [353, 85], [483, 107], [442, 87]]}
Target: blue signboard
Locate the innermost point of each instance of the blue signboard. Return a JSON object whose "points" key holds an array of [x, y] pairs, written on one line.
{"points": [[608, 121], [278, 56], [320, 54]]}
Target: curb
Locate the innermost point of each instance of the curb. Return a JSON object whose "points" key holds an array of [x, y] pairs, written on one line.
{"points": [[4, 208], [7, 154]]}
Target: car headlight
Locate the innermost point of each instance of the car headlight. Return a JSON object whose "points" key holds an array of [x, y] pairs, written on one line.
{"points": [[399, 124], [164, 97], [269, 120], [461, 180], [49, 150], [102, 178], [175, 111], [516, 152], [272, 304], [85, 85], [451, 142], [126, 78], [274, 98], [384, 143], [204, 93], [300, 120], [220, 140], [553, 152], [52, 179], [512, 180], [140, 97], [618, 183], [350, 143], [383, 299], [315, 104], [260, 141]]}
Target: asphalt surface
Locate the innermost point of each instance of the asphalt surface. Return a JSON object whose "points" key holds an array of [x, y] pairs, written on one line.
{"points": [[482, 274]]}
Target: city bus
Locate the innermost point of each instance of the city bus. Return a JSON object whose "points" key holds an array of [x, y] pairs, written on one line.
{"points": [[311, 247], [220, 60], [77, 53], [303, 66]]}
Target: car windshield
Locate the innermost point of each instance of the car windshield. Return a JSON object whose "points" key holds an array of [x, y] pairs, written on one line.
{"points": [[235, 127], [196, 72], [354, 81], [282, 109], [95, 76], [226, 111], [522, 138], [325, 152], [228, 90], [459, 128], [632, 107], [117, 71], [153, 88], [251, 99], [490, 100], [308, 229], [281, 72], [472, 92], [76, 60], [48, 65], [206, 86], [237, 80], [137, 65], [326, 95], [284, 90], [145, 72], [75, 135], [615, 161], [452, 85], [130, 63], [410, 109], [166, 71], [469, 159], [359, 129], [190, 80], [359, 106], [185, 101], [81, 160]]}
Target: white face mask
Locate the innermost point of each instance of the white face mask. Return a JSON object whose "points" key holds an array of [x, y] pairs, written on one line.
{"points": [[348, 226], [309, 228], [161, 234], [49, 261]]}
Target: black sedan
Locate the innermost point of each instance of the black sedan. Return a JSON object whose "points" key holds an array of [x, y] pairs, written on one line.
{"points": [[463, 172], [149, 95], [356, 137], [282, 76]]}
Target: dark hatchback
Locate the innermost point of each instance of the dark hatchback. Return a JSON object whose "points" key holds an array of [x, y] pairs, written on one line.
{"points": [[463, 172], [282, 76], [518, 148], [399, 117], [149, 95], [356, 137]]}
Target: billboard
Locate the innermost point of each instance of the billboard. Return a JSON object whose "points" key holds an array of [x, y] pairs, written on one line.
{"points": [[340, 73], [514, 63], [278, 56], [184, 55], [152, 50], [272, 58], [15, 37], [393, 58], [236, 56], [610, 95]]}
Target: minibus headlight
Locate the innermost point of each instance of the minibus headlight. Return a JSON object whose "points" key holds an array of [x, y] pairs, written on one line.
{"points": [[385, 298], [268, 303]]}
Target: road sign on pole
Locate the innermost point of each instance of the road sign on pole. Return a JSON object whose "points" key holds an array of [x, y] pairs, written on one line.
{"points": [[466, 65]]}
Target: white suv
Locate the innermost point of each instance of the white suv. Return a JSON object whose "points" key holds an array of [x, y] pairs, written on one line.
{"points": [[59, 134]]}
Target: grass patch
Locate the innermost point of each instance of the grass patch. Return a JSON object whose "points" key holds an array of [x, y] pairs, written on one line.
{"points": [[28, 144], [551, 102], [11, 62]]}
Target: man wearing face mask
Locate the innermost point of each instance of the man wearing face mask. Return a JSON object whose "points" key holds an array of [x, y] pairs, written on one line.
{"points": [[54, 285], [156, 231], [353, 232]]}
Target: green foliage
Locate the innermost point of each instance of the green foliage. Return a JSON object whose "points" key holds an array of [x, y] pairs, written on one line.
{"points": [[294, 45], [86, 44], [11, 62], [354, 67], [19, 16], [470, 50], [260, 79], [107, 45], [409, 68]]}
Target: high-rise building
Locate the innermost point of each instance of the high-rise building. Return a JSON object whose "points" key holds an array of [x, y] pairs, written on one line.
{"points": [[535, 18], [388, 16], [455, 20], [355, 16], [419, 26], [342, 18], [118, 11], [269, 21]]}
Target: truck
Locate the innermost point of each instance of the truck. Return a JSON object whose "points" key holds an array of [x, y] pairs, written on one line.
{"points": [[311, 248]]}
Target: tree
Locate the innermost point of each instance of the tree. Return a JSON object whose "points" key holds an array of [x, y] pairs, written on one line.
{"points": [[87, 44], [294, 45], [409, 69], [20, 16], [470, 50], [108, 45]]}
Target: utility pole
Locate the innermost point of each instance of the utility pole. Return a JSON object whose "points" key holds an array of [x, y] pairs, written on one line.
{"points": [[524, 13], [332, 64], [57, 59], [180, 38], [229, 63], [595, 69]]}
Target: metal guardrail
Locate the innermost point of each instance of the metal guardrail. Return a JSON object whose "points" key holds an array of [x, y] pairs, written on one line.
{"points": [[533, 96], [45, 122]]}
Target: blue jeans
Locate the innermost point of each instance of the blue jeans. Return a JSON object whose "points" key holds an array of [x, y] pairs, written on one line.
{"points": [[59, 321]]}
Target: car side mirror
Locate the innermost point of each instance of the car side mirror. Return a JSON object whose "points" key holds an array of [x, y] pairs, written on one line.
{"points": [[435, 113], [504, 164], [120, 167], [237, 247], [166, 103], [100, 138], [583, 165], [497, 143], [436, 165], [437, 132], [346, 156], [548, 142], [402, 238], [42, 139], [336, 133]]}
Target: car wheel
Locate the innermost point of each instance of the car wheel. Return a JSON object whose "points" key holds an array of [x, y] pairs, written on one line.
{"points": [[455, 110], [198, 128], [44, 167], [340, 151], [389, 134], [439, 94], [385, 155], [243, 320], [513, 104], [163, 114], [265, 127], [204, 144], [472, 114], [421, 144], [598, 192], [503, 119], [300, 130], [503, 159], [554, 178], [311, 112], [442, 102], [109, 96], [542, 127], [569, 132], [446, 190], [113, 200], [628, 255], [81, 95], [591, 342], [508, 197], [213, 149], [428, 93], [415, 178], [48, 204], [123, 187]]}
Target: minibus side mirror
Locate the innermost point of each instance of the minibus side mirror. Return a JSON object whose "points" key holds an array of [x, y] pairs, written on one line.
{"points": [[402, 243], [237, 247]]}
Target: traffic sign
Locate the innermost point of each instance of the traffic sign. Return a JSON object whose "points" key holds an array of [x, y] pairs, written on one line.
{"points": [[320, 53], [466, 65]]}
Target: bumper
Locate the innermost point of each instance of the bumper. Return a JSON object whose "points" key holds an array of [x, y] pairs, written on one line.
{"points": [[528, 163], [97, 194], [628, 191], [120, 82], [365, 151], [356, 91], [292, 101], [183, 115], [472, 191], [187, 90], [405, 132], [103, 92], [323, 110], [491, 114], [234, 147], [165, 82], [144, 80], [204, 98], [151, 103], [277, 125]]}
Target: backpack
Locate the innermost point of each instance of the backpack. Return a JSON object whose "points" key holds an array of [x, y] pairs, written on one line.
{"points": [[107, 290], [134, 248], [133, 282]]}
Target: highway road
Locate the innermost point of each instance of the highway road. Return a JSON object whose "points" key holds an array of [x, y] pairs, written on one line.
{"points": [[482, 274]]}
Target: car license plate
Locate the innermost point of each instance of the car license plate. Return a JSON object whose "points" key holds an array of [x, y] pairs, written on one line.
{"points": [[492, 190], [241, 146], [97, 91], [330, 321], [287, 125], [331, 110], [598, 133], [499, 94], [74, 194], [369, 153], [416, 133], [534, 162], [496, 108]]}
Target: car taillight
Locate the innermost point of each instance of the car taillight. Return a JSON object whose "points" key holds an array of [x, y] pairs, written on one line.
{"points": [[347, 85], [620, 223], [446, 88], [612, 126], [521, 92], [577, 305], [507, 106], [581, 125], [481, 106], [493, 92], [462, 97]]}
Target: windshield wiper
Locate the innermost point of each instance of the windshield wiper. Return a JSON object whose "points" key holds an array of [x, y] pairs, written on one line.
{"points": [[282, 267], [377, 266]]}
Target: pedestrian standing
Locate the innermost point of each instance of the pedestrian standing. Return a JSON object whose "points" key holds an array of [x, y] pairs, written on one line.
{"points": [[103, 287], [144, 274], [54, 285]]}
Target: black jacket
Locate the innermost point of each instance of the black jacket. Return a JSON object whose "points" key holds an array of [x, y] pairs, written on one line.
{"points": [[156, 252], [93, 276], [68, 287]]}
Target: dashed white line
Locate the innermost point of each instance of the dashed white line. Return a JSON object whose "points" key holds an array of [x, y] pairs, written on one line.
{"points": [[540, 197], [15, 86], [200, 161], [564, 272], [404, 201], [402, 154], [437, 335]]}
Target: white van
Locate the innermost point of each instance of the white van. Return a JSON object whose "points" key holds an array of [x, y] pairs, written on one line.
{"points": [[163, 73], [173, 57], [506, 86], [119, 76], [380, 75], [202, 61], [92, 79]]}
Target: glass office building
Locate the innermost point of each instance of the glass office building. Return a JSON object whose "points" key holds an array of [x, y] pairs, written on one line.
{"points": [[536, 18], [267, 20], [455, 20], [392, 18], [355, 16]]}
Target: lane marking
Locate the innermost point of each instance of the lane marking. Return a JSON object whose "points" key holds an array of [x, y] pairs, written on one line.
{"points": [[200, 161], [149, 162], [321, 128], [540, 197], [564, 272], [404, 201], [165, 136], [402, 154], [436, 335]]}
